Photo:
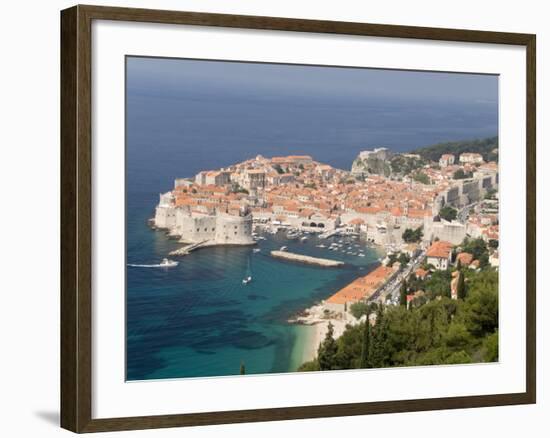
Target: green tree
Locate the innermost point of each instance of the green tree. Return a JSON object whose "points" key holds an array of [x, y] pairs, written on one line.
{"points": [[438, 285], [278, 169], [476, 247], [484, 146], [490, 194], [448, 213], [459, 174], [442, 331], [366, 345], [403, 259], [458, 357], [348, 348], [461, 286], [421, 177], [312, 365], [379, 352], [411, 236], [480, 311], [403, 293], [457, 337], [490, 347], [327, 350], [359, 309], [392, 258]]}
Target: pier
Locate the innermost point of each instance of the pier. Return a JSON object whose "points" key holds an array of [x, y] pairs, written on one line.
{"points": [[306, 259], [187, 249]]}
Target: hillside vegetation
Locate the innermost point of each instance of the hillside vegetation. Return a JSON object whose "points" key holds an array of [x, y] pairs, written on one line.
{"points": [[436, 330], [483, 146]]}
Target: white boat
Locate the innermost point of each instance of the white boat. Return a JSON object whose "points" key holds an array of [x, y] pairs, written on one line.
{"points": [[361, 255], [283, 248], [321, 246], [247, 280], [303, 239], [168, 263], [256, 250]]}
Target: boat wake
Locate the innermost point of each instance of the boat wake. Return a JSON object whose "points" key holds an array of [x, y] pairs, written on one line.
{"points": [[164, 264]]}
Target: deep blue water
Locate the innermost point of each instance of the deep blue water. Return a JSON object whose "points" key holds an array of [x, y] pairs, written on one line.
{"points": [[198, 319]]}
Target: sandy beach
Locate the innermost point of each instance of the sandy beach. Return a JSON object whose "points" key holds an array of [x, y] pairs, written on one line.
{"points": [[316, 324]]}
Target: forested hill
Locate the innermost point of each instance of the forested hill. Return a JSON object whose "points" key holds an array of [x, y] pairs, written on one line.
{"points": [[483, 146]]}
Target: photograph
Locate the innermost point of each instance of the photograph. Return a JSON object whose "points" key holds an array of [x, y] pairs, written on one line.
{"points": [[293, 218]]}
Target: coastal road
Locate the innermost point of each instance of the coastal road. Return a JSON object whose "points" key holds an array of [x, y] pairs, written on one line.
{"points": [[394, 285]]}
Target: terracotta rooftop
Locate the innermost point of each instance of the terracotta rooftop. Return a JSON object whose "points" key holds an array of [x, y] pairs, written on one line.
{"points": [[362, 287], [440, 249], [465, 258]]}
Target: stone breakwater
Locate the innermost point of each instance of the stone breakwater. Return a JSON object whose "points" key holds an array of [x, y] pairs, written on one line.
{"points": [[306, 259], [187, 249]]}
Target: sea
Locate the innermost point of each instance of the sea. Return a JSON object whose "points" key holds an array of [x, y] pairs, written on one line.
{"points": [[198, 319]]}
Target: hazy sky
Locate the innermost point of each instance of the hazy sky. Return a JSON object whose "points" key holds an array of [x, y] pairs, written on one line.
{"points": [[177, 75]]}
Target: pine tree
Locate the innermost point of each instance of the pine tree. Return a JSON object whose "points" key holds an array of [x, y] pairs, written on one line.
{"points": [[461, 287], [366, 345], [327, 350], [379, 349], [403, 293]]}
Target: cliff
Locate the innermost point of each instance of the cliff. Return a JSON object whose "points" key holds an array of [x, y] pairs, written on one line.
{"points": [[375, 162]]}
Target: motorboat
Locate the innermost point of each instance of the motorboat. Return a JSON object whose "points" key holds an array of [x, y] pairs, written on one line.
{"points": [[283, 248], [256, 250], [247, 280], [166, 263]]}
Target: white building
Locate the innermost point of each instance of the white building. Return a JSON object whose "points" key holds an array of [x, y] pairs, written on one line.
{"points": [[447, 160], [439, 255], [213, 177], [470, 158], [379, 153], [253, 179]]}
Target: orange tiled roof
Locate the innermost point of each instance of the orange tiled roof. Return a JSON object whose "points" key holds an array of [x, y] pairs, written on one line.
{"points": [[421, 273], [465, 258], [440, 249], [362, 287]]}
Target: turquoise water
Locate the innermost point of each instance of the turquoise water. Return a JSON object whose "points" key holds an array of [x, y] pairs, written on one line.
{"points": [[198, 319]]}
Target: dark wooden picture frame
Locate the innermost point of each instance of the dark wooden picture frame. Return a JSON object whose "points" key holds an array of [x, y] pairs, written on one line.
{"points": [[76, 218]]}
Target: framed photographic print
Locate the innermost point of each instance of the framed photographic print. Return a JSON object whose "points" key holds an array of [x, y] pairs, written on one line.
{"points": [[269, 218]]}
